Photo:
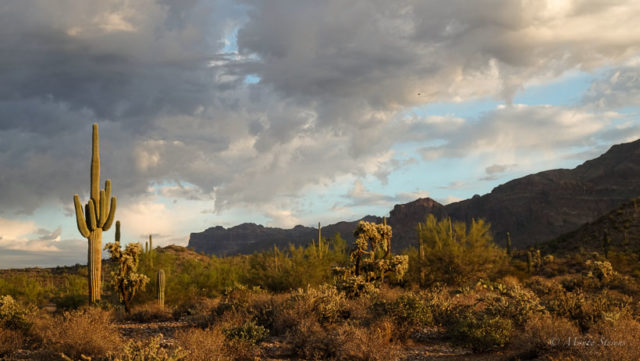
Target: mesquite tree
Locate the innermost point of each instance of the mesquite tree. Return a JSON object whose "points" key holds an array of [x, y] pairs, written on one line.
{"points": [[97, 217]]}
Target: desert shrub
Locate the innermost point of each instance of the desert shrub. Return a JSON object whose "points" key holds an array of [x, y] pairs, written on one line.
{"points": [[203, 345], [149, 312], [10, 340], [89, 332], [13, 315], [351, 285], [148, 350], [197, 311], [453, 253], [440, 303], [544, 287], [371, 343], [512, 301], [613, 340], [249, 332], [312, 341], [407, 312], [325, 302], [587, 309], [544, 334], [322, 305], [482, 332]]}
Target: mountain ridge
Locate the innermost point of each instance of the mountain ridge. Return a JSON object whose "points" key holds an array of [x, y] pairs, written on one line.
{"points": [[534, 208]]}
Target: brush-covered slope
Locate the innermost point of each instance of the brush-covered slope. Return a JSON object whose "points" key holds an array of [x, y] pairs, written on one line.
{"points": [[622, 226]]}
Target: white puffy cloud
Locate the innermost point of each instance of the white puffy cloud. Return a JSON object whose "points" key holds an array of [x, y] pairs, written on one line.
{"points": [[26, 236]]}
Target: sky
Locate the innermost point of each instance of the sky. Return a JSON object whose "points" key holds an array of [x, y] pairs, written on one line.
{"points": [[286, 112]]}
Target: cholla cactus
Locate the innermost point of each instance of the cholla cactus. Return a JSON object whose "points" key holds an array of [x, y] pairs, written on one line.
{"points": [[370, 258], [125, 278], [161, 285], [370, 238], [97, 217]]}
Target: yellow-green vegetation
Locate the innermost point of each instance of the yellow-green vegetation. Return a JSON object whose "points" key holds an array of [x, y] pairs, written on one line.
{"points": [[454, 252], [370, 260], [460, 292], [97, 217], [125, 279]]}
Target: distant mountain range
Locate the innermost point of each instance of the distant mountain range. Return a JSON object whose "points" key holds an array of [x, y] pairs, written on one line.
{"points": [[534, 208]]}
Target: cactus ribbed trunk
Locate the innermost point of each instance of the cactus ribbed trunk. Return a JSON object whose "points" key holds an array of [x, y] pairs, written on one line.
{"points": [[95, 265], [98, 216], [161, 285]]}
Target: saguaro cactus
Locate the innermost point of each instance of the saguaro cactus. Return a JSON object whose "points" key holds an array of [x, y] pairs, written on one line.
{"points": [[150, 251], [97, 217], [508, 244], [161, 284]]}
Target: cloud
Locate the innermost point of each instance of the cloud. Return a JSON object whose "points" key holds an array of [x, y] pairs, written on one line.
{"points": [[523, 128], [494, 171], [26, 236], [337, 84], [360, 196], [618, 88]]}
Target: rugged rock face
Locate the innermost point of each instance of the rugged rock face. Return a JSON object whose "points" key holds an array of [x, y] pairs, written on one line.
{"points": [[534, 208], [405, 217], [542, 206]]}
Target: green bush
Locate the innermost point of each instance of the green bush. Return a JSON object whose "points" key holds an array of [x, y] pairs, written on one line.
{"points": [[13, 315], [482, 332], [452, 253], [408, 312], [249, 332], [514, 302]]}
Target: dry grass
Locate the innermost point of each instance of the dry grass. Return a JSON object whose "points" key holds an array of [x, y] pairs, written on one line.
{"points": [[614, 341], [203, 345], [150, 312], [10, 340], [544, 334], [90, 332], [372, 343]]}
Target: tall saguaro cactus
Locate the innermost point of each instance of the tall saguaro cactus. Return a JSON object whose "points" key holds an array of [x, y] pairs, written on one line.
{"points": [[97, 217], [161, 284]]}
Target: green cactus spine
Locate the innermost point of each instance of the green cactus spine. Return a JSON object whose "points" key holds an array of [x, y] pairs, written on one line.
{"points": [[508, 244], [97, 217], [161, 285]]}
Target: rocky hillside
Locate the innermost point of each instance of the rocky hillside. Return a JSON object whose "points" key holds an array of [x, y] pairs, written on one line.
{"points": [[534, 208], [621, 226]]}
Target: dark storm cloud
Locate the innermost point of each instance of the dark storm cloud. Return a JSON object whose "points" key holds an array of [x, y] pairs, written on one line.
{"points": [[335, 79]]}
